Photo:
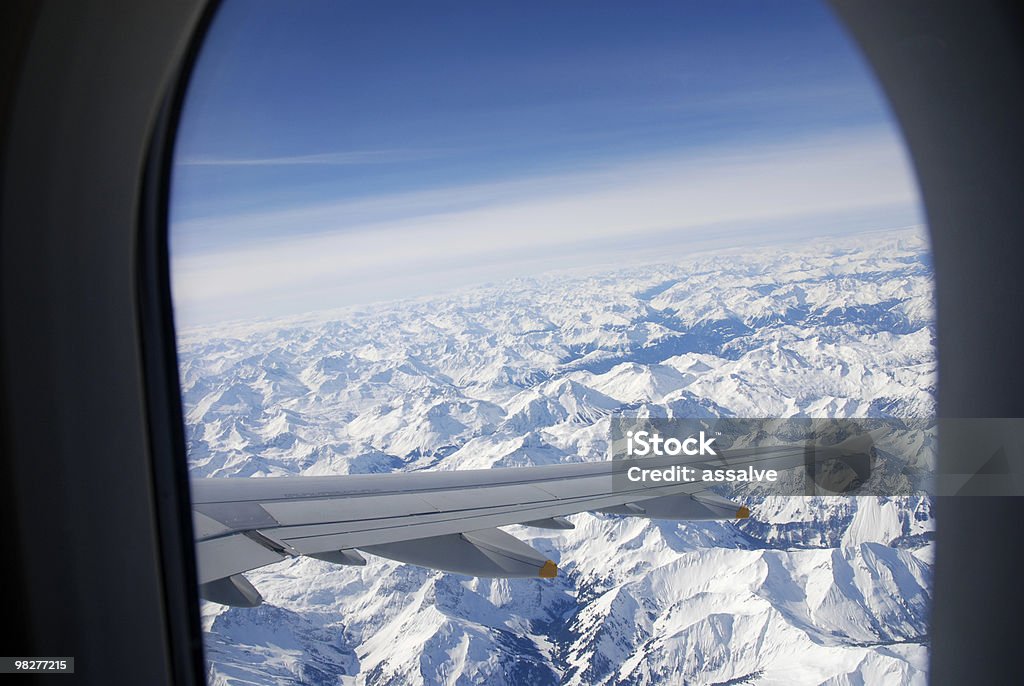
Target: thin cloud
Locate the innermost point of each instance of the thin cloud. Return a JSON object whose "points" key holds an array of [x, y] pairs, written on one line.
{"points": [[468, 234], [333, 159]]}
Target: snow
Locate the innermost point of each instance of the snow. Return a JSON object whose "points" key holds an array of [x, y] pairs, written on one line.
{"points": [[818, 590]]}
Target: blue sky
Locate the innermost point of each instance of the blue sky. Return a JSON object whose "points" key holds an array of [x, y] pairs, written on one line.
{"points": [[333, 153]]}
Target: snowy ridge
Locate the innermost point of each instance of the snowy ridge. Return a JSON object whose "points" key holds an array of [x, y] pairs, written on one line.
{"points": [[823, 590]]}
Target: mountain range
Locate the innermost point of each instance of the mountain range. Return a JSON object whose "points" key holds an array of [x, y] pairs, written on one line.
{"points": [[821, 590]]}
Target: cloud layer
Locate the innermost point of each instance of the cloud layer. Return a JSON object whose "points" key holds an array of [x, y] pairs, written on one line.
{"points": [[409, 244]]}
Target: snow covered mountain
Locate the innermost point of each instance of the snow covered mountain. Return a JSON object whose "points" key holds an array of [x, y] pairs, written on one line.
{"points": [[807, 591]]}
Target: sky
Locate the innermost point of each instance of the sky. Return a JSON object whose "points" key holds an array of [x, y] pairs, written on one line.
{"points": [[338, 153]]}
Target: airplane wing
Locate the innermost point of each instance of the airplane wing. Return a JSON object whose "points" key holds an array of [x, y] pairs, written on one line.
{"points": [[443, 519]]}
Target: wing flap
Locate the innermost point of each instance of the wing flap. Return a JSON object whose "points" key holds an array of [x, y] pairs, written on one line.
{"points": [[234, 590], [228, 555], [485, 553]]}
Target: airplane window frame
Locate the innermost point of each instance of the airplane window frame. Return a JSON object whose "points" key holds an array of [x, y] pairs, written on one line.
{"points": [[952, 70], [162, 382]]}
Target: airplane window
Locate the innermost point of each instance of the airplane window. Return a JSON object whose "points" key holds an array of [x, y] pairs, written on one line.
{"points": [[418, 239]]}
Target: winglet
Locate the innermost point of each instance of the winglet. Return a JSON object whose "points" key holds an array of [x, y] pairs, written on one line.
{"points": [[548, 571], [743, 512]]}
